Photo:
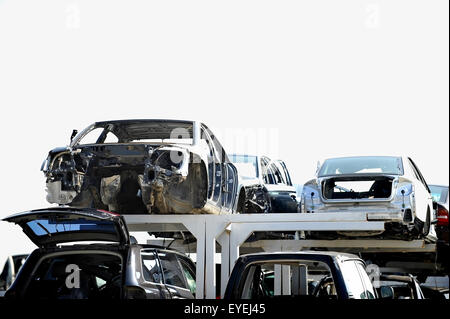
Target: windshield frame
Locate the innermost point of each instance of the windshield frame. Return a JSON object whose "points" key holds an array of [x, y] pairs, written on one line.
{"points": [[107, 125]]}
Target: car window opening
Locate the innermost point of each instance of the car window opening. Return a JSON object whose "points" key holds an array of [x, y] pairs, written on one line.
{"points": [[272, 280], [77, 276], [362, 165], [357, 188]]}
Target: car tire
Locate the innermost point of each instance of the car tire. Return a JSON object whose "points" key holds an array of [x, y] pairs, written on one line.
{"points": [[427, 224], [422, 228]]}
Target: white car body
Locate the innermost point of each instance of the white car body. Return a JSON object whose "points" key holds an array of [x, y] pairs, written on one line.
{"points": [[407, 207]]}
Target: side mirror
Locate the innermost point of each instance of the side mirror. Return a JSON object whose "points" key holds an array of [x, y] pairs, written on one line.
{"points": [[133, 240], [44, 164], [386, 292], [74, 133]]}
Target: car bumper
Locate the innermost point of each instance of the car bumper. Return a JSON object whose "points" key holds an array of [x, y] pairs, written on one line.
{"points": [[385, 216]]}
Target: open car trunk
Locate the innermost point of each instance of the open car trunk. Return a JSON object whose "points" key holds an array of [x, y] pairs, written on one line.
{"points": [[52, 226], [357, 188]]}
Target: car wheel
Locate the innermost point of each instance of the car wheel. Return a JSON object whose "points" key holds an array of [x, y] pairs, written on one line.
{"points": [[421, 229], [418, 228], [427, 224]]}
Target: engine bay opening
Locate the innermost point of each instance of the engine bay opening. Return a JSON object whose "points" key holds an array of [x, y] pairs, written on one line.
{"points": [[370, 187]]}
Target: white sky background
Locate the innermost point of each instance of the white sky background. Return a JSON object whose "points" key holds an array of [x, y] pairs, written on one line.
{"points": [[327, 77]]}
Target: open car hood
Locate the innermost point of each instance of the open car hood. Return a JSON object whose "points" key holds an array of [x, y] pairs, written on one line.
{"points": [[52, 226]]}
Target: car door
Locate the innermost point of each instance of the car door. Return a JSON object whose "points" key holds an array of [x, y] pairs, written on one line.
{"points": [[188, 268], [230, 185], [210, 164], [268, 176], [215, 169], [174, 276], [224, 173], [369, 289], [423, 194], [356, 280], [285, 172], [279, 177], [150, 275]]}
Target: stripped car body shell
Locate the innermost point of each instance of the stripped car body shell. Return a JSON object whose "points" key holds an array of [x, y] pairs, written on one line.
{"points": [[155, 166]]}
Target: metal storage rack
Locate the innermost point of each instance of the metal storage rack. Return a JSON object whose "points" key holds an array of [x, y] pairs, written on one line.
{"points": [[231, 231]]}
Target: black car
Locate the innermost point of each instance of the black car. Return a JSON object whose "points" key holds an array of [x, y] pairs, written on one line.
{"points": [[299, 275], [109, 267]]}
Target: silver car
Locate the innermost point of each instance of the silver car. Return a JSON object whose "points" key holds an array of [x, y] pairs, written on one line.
{"points": [[386, 188]]}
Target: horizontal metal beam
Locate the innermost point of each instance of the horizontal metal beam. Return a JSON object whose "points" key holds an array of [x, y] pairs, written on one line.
{"points": [[265, 218], [358, 245], [156, 227], [311, 226], [170, 223]]}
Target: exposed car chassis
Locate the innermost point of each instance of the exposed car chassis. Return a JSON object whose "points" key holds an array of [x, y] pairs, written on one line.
{"points": [[143, 177]]}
